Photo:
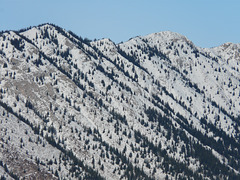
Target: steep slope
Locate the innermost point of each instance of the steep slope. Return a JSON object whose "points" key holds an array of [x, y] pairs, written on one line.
{"points": [[153, 107]]}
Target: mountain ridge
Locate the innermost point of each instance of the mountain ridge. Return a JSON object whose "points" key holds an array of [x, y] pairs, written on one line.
{"points": [[168, 32], [146, 108]]}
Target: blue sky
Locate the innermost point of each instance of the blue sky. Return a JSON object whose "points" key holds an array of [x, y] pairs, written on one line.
{"points": [[207, 23]]}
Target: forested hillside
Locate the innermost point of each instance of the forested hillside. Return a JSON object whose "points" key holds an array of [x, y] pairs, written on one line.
{"points": [[154, 107]]}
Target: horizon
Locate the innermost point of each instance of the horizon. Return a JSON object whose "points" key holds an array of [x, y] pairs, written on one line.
{"points": [[206, 24]]}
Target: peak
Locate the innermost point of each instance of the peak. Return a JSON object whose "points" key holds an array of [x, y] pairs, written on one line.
{"points": [[228, 45], [166, 35], [43, 26], [48, 25], [231, 45], [161, 36], [103, 41]]}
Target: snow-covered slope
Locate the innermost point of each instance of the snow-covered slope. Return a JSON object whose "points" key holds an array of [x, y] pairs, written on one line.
{"points": [[153, 107]]}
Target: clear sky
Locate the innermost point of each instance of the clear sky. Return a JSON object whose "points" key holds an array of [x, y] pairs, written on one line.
{"points": [[207, 23]]}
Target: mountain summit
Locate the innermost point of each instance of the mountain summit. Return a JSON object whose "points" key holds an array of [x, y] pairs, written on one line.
{"points": [[154, 107]]}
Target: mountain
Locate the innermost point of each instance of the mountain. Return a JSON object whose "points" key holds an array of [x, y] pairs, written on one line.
{"points": [[154, 107]]}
